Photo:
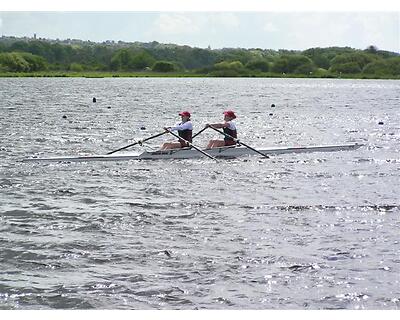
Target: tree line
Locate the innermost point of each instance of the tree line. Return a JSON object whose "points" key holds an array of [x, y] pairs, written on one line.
{"points": [[17, 55]]}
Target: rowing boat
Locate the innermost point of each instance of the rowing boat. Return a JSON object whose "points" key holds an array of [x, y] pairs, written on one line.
{"points": [[187, 153]]}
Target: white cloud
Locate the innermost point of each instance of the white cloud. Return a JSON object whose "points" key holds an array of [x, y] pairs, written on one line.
{"points": [[228, 20], [1, 23], [375, 30], [353, 29], [193, 24], [270, 27], [320, 30], [170, 23]]}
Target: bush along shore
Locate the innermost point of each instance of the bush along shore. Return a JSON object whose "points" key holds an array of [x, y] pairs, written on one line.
{"points": [[96, 74], [26, 57]]}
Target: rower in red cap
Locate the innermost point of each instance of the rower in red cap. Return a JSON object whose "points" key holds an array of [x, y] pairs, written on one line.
{"points": [[184, 129], [229, 128]]}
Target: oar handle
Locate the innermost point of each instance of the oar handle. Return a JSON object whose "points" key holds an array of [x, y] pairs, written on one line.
{"points": [[239, 142], [138, 142], [191, 145]]}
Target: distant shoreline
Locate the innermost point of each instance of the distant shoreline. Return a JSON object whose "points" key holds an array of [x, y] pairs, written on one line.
{"points": [[107, 74], [46, 58]]}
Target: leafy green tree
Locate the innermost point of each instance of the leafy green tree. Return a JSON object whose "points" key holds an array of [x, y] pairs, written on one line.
{"points": [[13, 62], [97, 66], [60, 53], [36, 47], [319, 56], [76, 67], [233, 65], [226, 73], [322, 56], [348, 68], [377, 67], [197, 58], [293, 64], [229, 69], [389, 66], [19, 46], [359, 58], [386, 54], [306, 68], [39, 48], [36, 63], [103, 54], [321, 72], [221, 65], [21, 62], [280, 65], [372, 49], [394, 64], [299, 64], [241, 55], [260, 65], [163, 66], [322, 61], [121, 59], [129, 59], [141, 61], [236, 65]]}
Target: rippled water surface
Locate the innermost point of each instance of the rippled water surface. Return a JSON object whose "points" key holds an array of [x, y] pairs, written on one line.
{"points": [[296, 231]]}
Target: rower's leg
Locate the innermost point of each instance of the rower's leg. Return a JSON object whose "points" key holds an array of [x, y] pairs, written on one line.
{"points": [[215, 144], [210, 144], [170, 145], [165, 146], [175, 145]]}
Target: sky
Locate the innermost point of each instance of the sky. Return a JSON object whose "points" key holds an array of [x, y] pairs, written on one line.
{"points": [[244, 29]]}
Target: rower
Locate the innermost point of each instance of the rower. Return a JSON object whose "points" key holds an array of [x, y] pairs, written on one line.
{"points": [[184, 129], [229, 128]]}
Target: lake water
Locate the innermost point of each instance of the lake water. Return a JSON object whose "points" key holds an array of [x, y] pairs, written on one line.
{"points": [[296, 231]]}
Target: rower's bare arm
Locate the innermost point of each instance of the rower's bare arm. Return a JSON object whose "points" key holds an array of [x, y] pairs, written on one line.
{"points": [[217, 125]]}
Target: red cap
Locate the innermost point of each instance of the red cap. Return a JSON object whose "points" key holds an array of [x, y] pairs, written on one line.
{"points": [[184, 113], [230, 114]]}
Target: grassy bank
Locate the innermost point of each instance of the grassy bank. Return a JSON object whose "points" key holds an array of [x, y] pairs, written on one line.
{"points": [[96, 74], [151, 74]]}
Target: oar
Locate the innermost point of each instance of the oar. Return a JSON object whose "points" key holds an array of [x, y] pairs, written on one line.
{"points": [[190, 144], [195, 135], [138, 142], [240, 142]]}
